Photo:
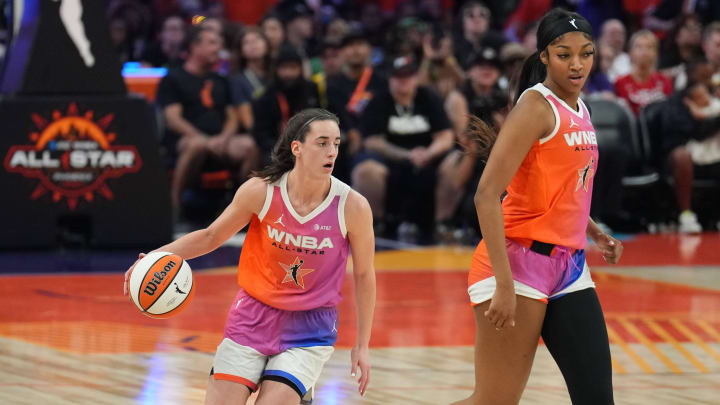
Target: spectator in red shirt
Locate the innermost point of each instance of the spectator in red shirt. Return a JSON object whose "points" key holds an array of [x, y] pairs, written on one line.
{"points": [[644, 84]]}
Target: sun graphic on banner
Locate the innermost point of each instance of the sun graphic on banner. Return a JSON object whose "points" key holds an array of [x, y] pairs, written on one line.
{"points": [[72, 155]]}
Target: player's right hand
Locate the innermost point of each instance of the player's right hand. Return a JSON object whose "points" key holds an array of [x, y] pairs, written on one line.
{"points": [[502, 308], [360, 358], [129, 272]]}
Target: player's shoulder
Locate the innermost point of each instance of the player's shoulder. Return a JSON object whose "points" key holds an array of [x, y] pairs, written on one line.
{"points": [[532, 102], [356, 203], [254, 191], [256, 184]]}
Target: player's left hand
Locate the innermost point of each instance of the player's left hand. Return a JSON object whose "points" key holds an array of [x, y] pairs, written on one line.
{"points": [[610, 247], [360, 356]]}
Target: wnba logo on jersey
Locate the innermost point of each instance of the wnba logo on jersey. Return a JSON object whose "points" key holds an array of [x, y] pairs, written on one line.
{"points": [[579, 138], [299, 241]]}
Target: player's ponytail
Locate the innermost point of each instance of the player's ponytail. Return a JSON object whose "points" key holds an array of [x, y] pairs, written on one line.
{"points": [[532, 73], [297, 127]]}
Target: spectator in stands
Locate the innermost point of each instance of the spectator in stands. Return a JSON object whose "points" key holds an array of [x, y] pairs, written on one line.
{"points": [[486, 100], [681, 45], [406, 37], [525, 13], [274, 31], [690, 125], [330, 66], [215, 24], [254, 62], [476, 33], [202, 120], [512, 57], [351, 91], [288, 94], [529, 41], [607, 55], [129, 25], [644, 84], [598, 84], [613, 37], [461, 170], [336, 30], [331, 60], [439, 69], [441, 72], [299, 31], [430, 11], [406, 133], [372, 21], [219, 25], [458, 176], [166, 51], [711, 47], [121, 41]]}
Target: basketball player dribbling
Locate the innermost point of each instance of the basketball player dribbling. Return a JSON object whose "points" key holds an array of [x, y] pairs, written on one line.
{"points": [[528, 275], [282, 324]]}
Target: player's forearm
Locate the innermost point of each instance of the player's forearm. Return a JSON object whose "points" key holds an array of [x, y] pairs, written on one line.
{"points": [[490, 217], [593, 230], [192, 245], [365, 303]]}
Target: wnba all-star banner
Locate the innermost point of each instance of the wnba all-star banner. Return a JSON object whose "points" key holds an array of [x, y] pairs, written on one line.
{"points": [[81, 160], [61, 47]]}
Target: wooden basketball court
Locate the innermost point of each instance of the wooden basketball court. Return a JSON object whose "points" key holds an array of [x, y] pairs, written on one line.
{"points": [[73, 338]]}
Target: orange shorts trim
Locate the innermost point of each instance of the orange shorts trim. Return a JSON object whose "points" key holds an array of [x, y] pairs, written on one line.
{"points": [[234, 378]]}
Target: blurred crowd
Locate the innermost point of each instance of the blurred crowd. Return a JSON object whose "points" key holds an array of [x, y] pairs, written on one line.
{"points": [[403, 76]]}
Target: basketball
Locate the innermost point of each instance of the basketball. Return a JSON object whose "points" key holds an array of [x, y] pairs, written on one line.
{"points": [[161, 284]]}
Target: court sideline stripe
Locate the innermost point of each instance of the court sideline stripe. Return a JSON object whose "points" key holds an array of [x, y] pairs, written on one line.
{"points": [[615, 337], [695, 339], [668, 338], [650, 345]]}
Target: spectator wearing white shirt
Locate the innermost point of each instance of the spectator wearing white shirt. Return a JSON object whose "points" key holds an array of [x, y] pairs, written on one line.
{"points": [[613, 36]]}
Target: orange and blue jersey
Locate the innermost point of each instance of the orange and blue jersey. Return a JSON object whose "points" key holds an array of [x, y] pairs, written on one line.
{"points": [[293, 262]]}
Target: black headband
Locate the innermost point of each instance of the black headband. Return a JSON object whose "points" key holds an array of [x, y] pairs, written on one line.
{"points": [[563, 26]]}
